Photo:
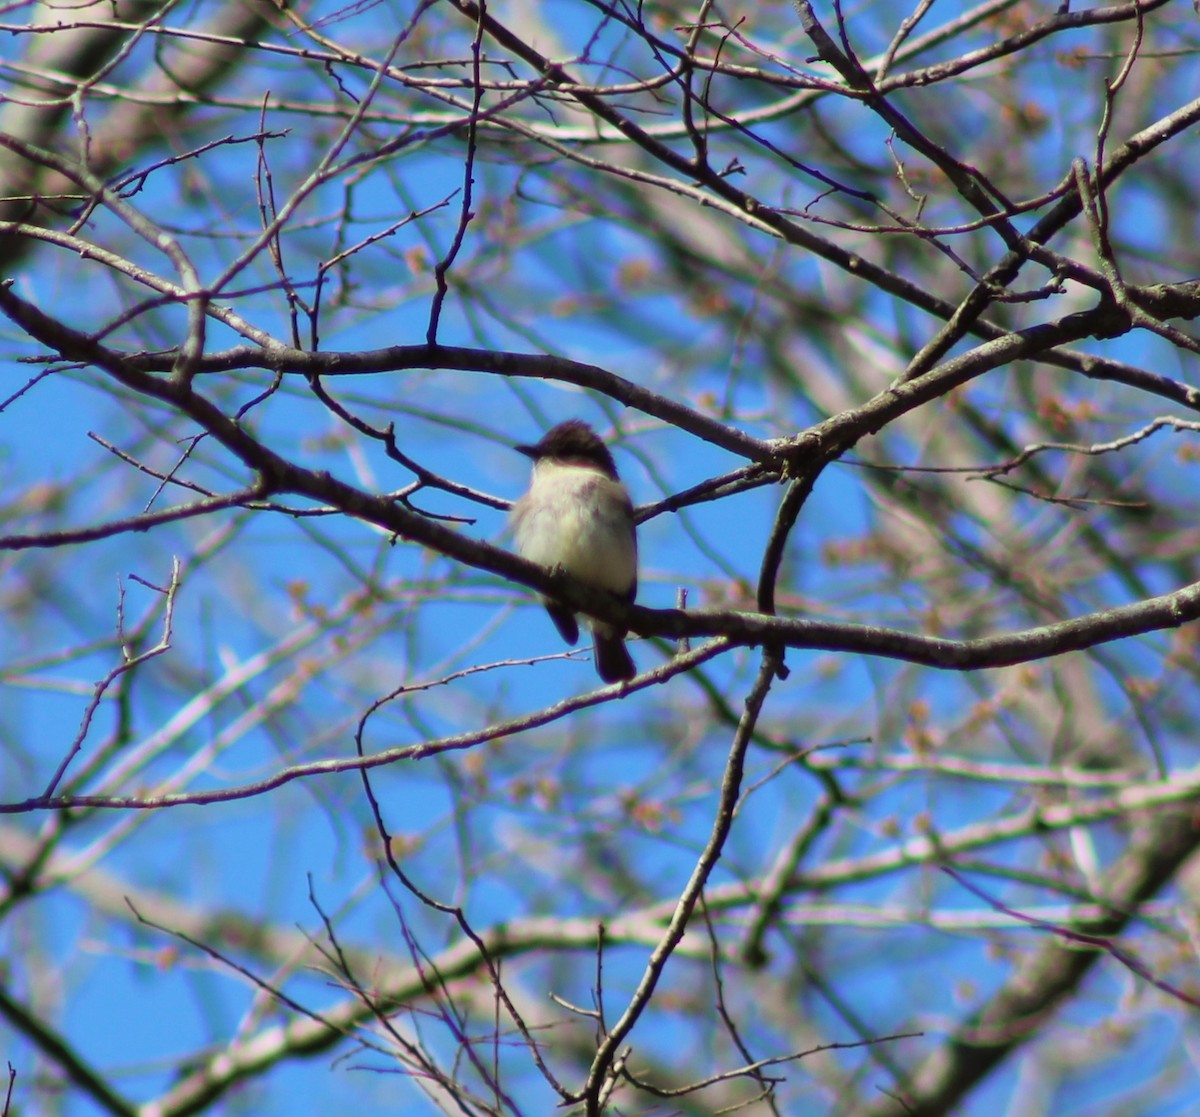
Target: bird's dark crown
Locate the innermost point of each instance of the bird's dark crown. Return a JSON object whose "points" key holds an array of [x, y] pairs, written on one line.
{"points": [[573, 443]]}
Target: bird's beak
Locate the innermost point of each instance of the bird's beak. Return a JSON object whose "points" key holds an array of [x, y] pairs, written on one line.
{"points": [[528, 451]]}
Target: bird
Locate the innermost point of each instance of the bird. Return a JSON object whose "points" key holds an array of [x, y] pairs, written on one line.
{"points": [[577, 517]]}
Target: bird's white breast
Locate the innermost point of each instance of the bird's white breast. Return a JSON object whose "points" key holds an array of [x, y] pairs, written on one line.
{"points": [[578, 519]]}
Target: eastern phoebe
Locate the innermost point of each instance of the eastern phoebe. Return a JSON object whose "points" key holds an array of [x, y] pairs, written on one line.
{"points": [[577, 517]]}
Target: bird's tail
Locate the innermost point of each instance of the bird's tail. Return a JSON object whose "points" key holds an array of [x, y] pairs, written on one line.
{"points": [[613, 662]]}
